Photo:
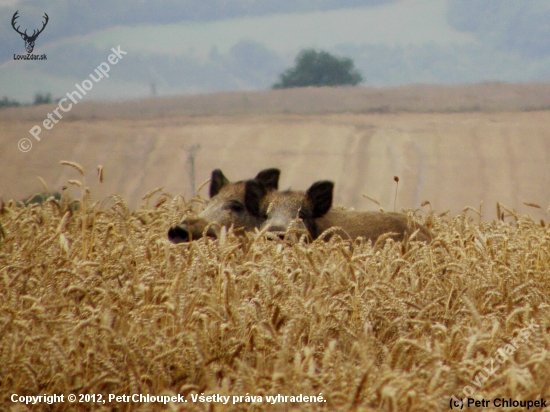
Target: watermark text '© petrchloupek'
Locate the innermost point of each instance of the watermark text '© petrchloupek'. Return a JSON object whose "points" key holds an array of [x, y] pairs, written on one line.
{"points": [[76, 95]]}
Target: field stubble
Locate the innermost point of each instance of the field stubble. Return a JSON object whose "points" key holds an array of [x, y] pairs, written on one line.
{"points": [[453, 145], [95, 299]]}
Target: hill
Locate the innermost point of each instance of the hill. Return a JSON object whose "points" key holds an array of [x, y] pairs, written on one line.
{"points": [[453, 146]]}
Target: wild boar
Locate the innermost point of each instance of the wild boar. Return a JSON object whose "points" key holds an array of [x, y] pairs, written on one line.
{"points": [[312, 211], [231, 205]]}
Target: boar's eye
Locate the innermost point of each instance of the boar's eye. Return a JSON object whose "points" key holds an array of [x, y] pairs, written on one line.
{"points": [[235, 206]]}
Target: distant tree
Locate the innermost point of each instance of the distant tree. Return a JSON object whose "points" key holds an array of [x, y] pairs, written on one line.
{"points": [[319, 69], [40, 198], [5, 102], [40, 98]]}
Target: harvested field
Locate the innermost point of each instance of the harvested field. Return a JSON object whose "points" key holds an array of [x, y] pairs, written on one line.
{"points": [[454, 146], [95, 300]]}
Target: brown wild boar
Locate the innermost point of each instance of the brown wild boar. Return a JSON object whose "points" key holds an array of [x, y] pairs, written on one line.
{"points": [[231, 204], [311, 210]]}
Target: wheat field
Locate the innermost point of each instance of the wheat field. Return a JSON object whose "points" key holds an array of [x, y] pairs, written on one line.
{"points": [[95, 300]]}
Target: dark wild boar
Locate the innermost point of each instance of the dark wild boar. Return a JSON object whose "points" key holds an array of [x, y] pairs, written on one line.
{"points": [[231, 205], [311, 210]]}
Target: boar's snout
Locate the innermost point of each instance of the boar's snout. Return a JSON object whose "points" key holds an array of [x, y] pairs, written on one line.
{"points": [[277, 228], [178, 234], [278, 231], [191, 229]]}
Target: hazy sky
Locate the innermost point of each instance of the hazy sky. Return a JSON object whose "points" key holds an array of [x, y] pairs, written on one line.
{"points": [[194, 47], [409, 22]]}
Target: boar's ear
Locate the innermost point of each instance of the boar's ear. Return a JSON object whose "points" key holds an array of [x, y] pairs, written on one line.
{"points": [[254, 191], [319, 196], [269, 178], [217, 182]]}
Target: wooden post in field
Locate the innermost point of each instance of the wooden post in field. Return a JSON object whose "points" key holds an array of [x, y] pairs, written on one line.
{"points": [[191, 153]]}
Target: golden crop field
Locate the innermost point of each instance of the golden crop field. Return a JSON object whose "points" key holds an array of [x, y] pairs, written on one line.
{"points": [[95, 301]]}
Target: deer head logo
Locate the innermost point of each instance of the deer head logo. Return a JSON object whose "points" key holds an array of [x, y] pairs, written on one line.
{"points": [[29, 40]]}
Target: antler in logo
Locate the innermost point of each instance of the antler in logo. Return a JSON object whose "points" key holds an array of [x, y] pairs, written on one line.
{"points": [[29, 40]]}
